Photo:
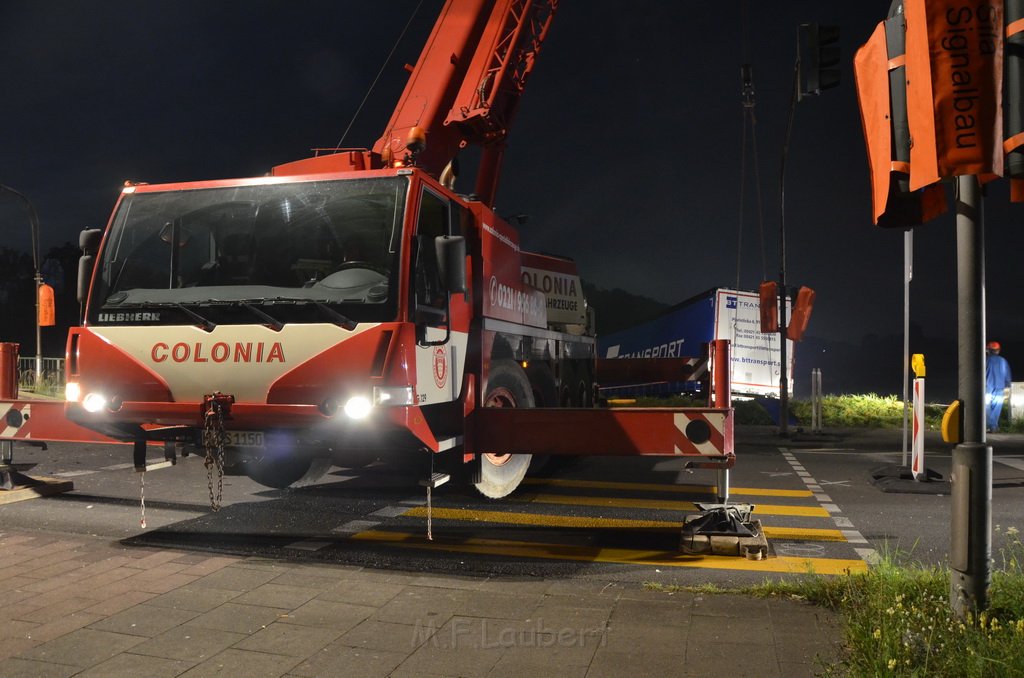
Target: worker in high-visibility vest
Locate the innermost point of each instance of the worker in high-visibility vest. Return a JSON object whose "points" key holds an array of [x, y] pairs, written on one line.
{"points": [[997, 382]]}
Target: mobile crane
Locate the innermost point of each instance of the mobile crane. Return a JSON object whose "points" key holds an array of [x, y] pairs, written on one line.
{"points": [[353, 300]]}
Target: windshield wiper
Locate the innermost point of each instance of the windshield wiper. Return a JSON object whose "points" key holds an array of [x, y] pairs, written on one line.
{"points": [[203, 322], [336, 318], [274, 323]]}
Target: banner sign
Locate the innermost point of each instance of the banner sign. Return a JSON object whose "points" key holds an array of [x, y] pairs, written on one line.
{"points": [[954, 88]]}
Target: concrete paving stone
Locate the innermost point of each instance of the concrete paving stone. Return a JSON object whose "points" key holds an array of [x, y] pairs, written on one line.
{"points": [[628, 637], [191, 559], [116, 604], [713, 629], [512, 585], [15, 628], [643, 663], [238, 577], [11, 540], [510, 666], [99, 565], [289, 639], [59, 627], [159, 571], [83, 648], [163, 584], [605, 603], [191, 597], [562, 612], [128, 665], [94, 586], [664, 613], [267, 564], [277, 595], [146, 559], [188, 643], [386, 637], [536, 642], [29, 668], [381, 576], [361, 593], [583, 588], [417, 605], [805, 670], [341, 660], [641, 593], [456, 649], [11, 647], [17, 602], [735, 659], [210, 565], [237, 618], [144, 620], [58, 568], [809, 649], [45, 585], [325, 613], [730, 605], [57, 610], [450, 581], [498, 605], [18, 582], [412, 672], [320, 582], [232, 663]]}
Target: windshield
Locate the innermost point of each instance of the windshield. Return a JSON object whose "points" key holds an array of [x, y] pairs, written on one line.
{"points": [[332, 244]]}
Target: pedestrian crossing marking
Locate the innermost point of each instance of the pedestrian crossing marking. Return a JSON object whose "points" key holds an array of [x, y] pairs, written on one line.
{"points": [[522, 549]]}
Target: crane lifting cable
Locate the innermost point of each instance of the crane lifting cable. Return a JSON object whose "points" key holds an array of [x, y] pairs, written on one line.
{"points": [[384, 65]]}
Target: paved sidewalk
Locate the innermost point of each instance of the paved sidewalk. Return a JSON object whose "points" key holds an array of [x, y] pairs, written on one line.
{"points": [[75, 606]]}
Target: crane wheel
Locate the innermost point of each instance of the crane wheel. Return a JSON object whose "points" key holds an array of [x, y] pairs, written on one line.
{"points": [[501, 474]]}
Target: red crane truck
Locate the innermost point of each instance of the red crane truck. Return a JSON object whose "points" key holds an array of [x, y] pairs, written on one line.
{"points": [[353, 300]]}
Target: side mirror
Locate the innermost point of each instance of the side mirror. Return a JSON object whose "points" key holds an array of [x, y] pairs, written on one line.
{"points": [[85, 265], [451, 262], [89, 240]]}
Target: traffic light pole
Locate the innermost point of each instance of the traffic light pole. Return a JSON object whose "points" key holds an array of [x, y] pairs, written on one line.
{"points": [[783, 367], [971, 477]]}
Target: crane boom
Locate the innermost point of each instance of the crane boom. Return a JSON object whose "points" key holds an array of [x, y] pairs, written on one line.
{"points": [[467, 83], [464, 90]]}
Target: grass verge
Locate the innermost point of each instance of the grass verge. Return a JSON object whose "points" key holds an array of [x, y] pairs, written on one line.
{"points": [[898, 620]]}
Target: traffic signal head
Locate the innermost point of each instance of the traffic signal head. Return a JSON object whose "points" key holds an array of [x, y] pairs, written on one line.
{"points": [[819, 58]]}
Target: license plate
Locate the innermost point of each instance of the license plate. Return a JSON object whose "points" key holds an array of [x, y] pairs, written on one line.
{"points": [[245, 438]]}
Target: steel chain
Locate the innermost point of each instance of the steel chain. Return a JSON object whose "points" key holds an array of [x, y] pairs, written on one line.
{"points": [[214, 440]]}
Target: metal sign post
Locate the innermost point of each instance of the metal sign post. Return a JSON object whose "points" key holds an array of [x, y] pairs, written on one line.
{"points": [[971, 476]]}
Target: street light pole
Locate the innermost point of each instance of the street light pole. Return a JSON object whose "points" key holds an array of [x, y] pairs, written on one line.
{"points": [[33, 218]]}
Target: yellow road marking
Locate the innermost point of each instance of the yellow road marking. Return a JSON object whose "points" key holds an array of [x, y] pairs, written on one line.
{"points": [[803, 534], [664, 504], [545, 520], [538, 519], [662, 487], [613, 555]]}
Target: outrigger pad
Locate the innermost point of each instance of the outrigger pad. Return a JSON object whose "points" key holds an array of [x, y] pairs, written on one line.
{"points": [[724, 530]]}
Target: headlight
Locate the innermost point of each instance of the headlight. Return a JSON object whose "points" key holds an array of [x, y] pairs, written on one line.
{"points": [[72, 392], [358, 407], [94, 402]]}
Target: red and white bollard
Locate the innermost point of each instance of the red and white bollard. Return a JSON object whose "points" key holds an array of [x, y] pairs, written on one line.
{"points": [[917, 446]]}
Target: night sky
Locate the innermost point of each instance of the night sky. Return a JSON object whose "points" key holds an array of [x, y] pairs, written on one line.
{"points": [[625, 154]]}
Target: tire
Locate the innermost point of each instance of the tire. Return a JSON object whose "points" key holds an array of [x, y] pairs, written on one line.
{"points": [[285, 472], [501, 474]]}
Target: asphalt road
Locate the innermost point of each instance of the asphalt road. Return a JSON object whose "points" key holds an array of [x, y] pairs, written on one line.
{"points": [[611, 518]]}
